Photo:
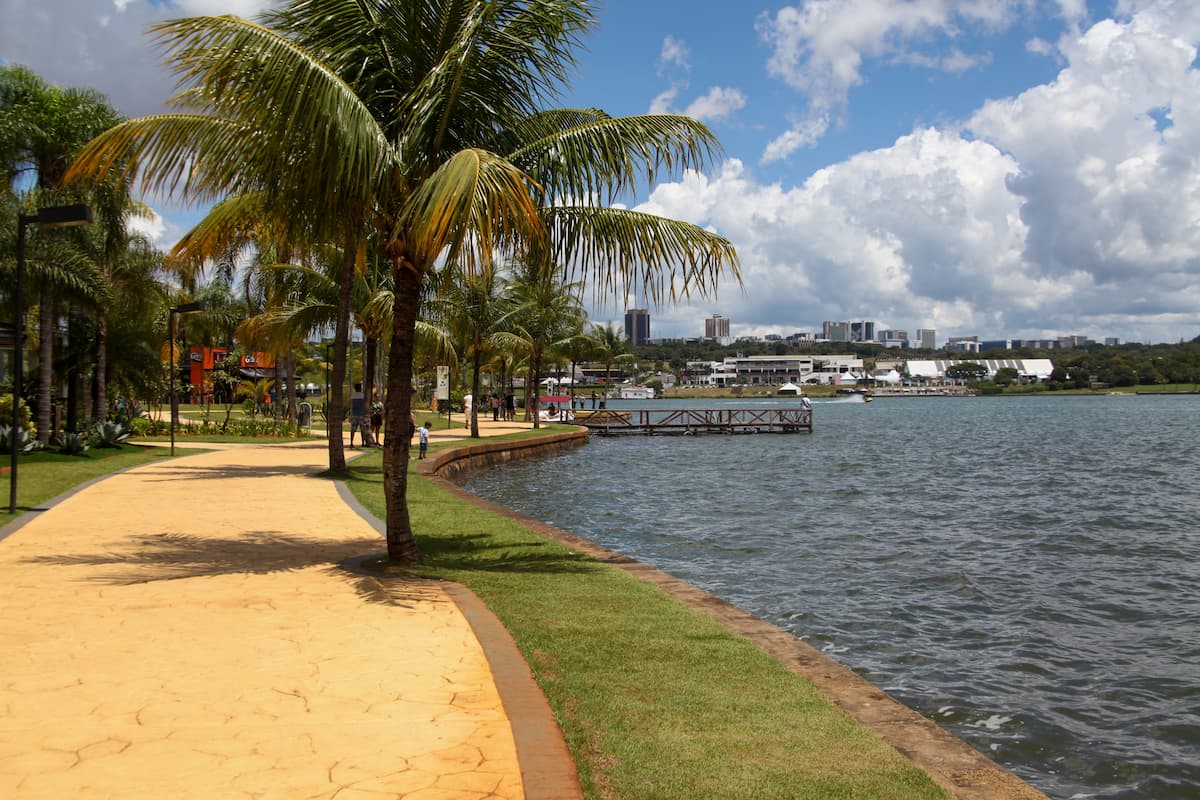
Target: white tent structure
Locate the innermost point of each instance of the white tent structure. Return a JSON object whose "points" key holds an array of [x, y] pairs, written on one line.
{"points": [[1028, 368], [790, 388], [890, 376]]}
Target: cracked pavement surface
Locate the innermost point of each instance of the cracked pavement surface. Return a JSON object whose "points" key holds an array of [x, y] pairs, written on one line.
{"points": [[184, 630]]}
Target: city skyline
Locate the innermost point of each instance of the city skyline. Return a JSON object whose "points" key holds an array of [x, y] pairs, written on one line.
{"points": [[720, 327], [1003, 168]]}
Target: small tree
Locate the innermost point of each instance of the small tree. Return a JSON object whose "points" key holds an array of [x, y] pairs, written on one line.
{"points": [[225, 377], [966, 371], [1006, 376]]}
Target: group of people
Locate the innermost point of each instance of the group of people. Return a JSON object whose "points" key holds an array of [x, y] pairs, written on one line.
{"points": [[366, 420], [506, 405]]}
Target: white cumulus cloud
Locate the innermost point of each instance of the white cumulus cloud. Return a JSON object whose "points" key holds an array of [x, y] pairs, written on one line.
{"points": [[821, 48], [1071, 207], [718, 103]]}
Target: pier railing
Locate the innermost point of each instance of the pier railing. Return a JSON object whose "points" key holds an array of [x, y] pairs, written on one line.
{"points": [[685, 422]]}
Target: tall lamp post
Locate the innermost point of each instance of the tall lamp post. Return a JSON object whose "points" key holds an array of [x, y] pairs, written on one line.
{"points": [[186, 308], [50, 217]]}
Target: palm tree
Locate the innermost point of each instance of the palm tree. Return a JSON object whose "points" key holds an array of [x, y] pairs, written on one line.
{"points": [[547, 309], [132, 269], [45, 126], [392, 115], [476, 309], [612, 348]]}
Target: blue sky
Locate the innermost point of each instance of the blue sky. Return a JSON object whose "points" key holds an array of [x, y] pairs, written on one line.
{"points": [[1005, 168]]}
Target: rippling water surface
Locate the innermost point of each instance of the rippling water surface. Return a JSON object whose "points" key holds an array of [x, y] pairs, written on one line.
{"points": [[1025, 571]]}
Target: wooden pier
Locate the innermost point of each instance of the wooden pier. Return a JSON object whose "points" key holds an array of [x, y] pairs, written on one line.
{"points": [[691, 422]]}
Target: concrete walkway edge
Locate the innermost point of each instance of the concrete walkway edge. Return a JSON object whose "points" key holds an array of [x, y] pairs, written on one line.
{"points": [[547, 767]]}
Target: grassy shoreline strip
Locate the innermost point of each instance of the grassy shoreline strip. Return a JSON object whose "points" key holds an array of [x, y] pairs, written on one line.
{"points": [[654, 699]]}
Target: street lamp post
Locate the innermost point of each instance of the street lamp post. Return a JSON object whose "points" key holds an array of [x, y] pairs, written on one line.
{"points": [[186, 308], [51, 217]]}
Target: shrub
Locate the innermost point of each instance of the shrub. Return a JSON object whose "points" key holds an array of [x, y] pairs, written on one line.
{"points": [[108, 434], [25, 416], [73, 445], [125, 412], [25, 442]]}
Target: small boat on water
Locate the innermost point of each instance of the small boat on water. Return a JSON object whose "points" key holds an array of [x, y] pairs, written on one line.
{"points": [[857, 395], [635, 393], [555, 408]]}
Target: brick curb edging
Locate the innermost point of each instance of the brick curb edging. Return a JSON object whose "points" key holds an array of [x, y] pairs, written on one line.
{"points": [[547, 768], [953, 764]]}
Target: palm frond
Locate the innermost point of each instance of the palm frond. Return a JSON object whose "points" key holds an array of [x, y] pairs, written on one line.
{"points": [[473, 206], [229, 225], [602, 156], [617, 250]]}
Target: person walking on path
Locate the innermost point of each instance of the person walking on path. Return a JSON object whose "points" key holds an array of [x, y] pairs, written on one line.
{"points": [[358, 415], [510, 407], [495, 402], [423, 433]]}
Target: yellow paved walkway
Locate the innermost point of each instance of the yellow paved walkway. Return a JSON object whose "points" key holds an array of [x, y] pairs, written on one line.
{"points": [[184, 630]]}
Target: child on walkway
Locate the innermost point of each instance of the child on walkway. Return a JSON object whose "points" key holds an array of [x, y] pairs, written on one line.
{"points": [[423, 433]]}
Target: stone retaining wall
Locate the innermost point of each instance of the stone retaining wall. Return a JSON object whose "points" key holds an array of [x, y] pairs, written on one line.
{"points": [[457, 464]]}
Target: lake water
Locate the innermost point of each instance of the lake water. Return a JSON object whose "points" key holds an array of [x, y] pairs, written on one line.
{"points": [[1024, 571]]}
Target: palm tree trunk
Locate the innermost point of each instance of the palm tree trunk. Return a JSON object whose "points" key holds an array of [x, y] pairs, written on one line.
{"points": [[75, 369], [476, 363], [401, 544], [45, 363], [370, 359], [535, 376], [371, 348], [100, 381], [341, 336]]}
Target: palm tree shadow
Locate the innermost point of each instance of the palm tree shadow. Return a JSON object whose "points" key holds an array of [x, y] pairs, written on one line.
{"points": [[481, 552], [150, 558]]}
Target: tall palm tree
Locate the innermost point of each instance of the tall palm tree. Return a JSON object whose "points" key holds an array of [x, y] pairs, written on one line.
{"points": [[546, 311], [133, 271], [392, 115], [475, 308], [45, 126], [612, 348]]}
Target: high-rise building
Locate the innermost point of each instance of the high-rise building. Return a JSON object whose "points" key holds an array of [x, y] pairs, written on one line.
{"points": [[927, 339], [862, 331], [716, 327], [835, 331], [894, 334], [637, 326]]}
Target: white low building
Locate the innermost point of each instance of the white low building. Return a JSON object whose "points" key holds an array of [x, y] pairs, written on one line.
{"points": [[798, 369], [1028, 369]]}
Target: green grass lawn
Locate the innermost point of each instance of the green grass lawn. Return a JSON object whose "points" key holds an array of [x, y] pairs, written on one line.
{"points": [[655, 700], [42, 476]]}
